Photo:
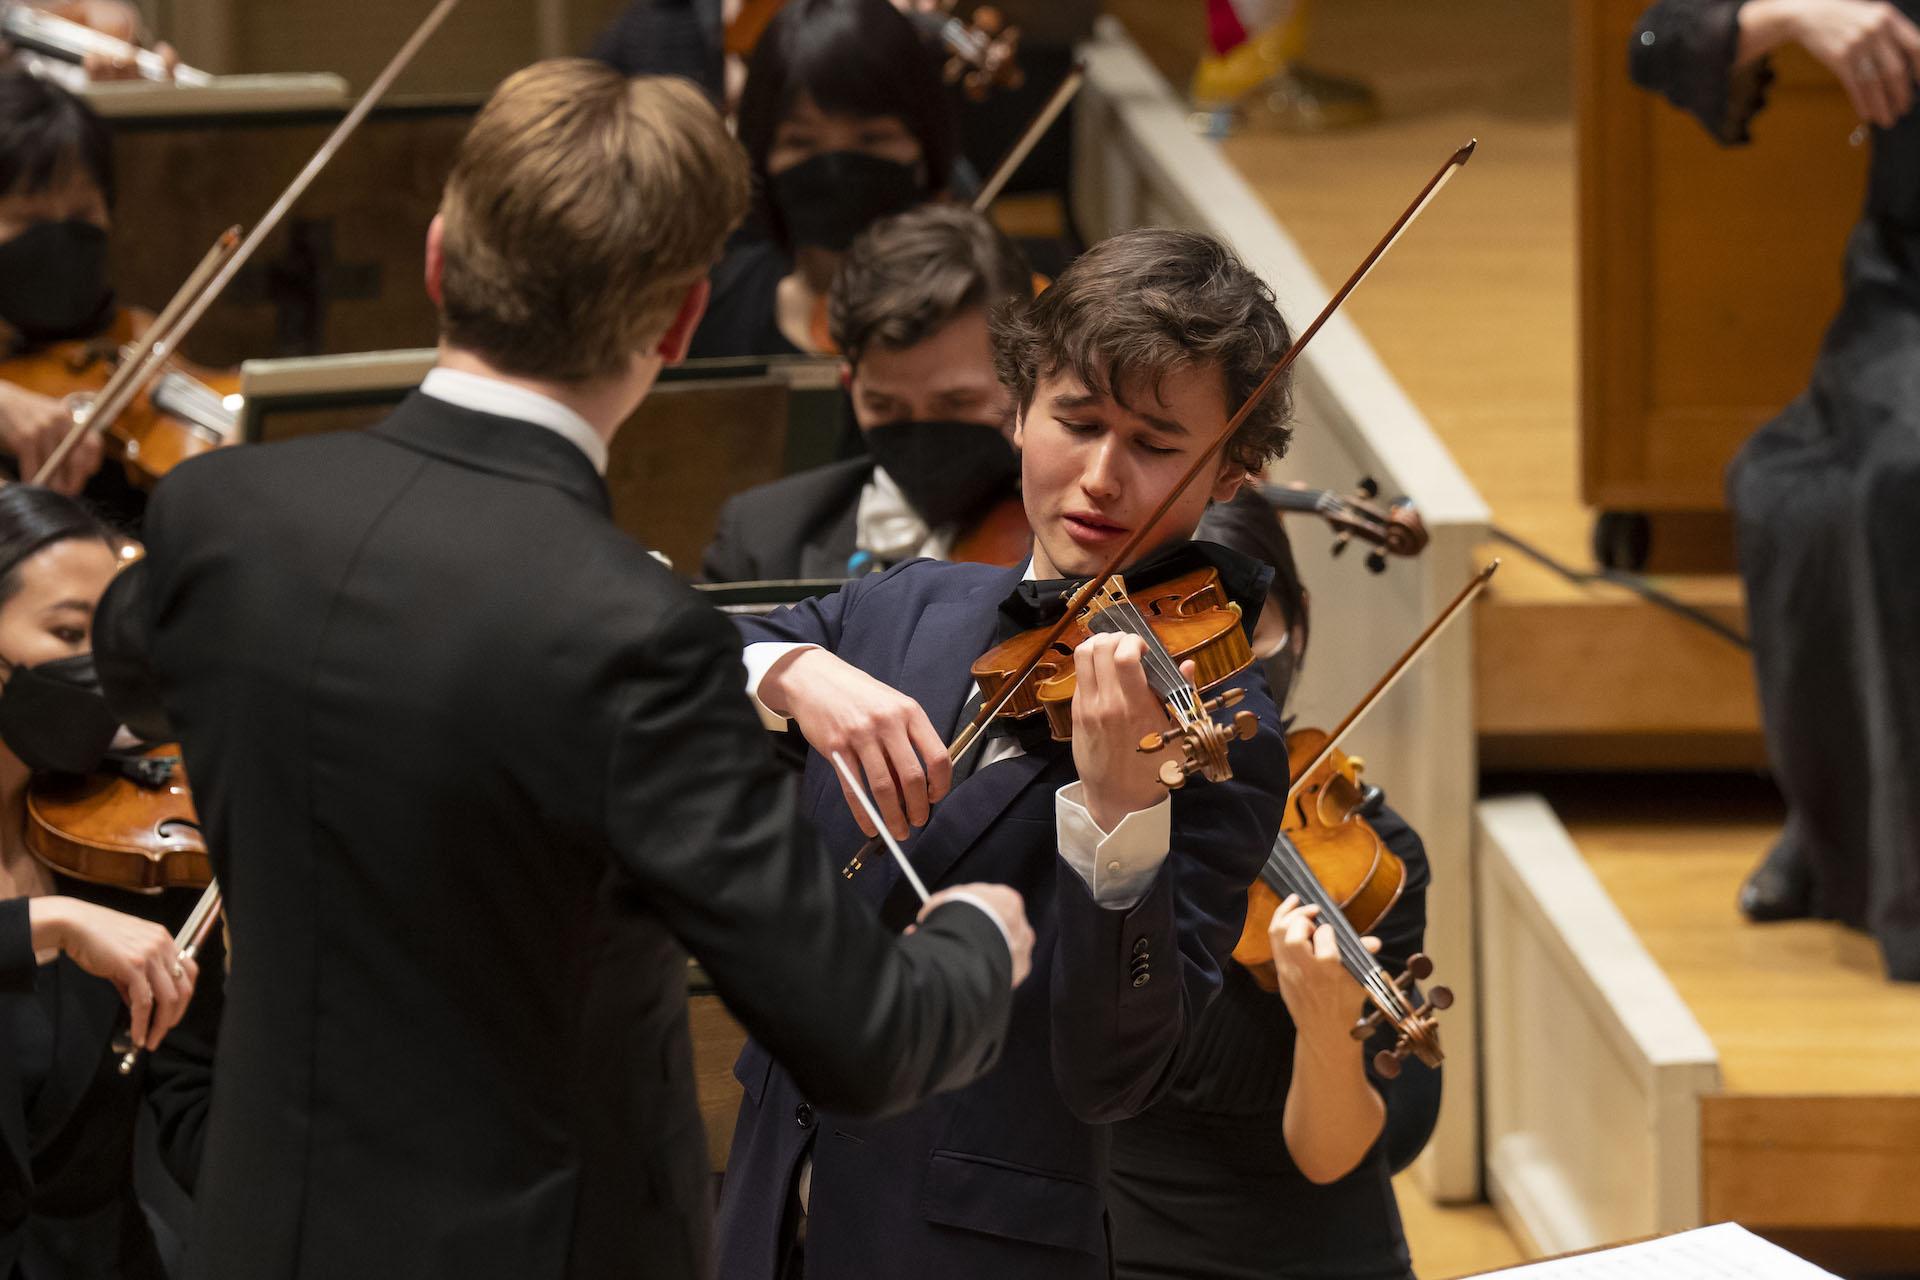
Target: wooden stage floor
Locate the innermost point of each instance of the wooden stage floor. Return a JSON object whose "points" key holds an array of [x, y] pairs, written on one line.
{"points": [[1474, 314]]}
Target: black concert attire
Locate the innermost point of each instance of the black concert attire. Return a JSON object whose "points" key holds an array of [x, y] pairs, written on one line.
{"points": [[1826, 503], [799, 526], [667, 38], [740, 315], [1202, 1186], [470, 786], [69, 1205]]}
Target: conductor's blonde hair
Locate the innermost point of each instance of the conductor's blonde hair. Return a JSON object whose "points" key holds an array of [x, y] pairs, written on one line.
{"points": [[581, 207]]}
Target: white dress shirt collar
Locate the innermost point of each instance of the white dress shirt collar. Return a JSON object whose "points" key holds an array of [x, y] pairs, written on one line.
{"points": [[504, 400]]}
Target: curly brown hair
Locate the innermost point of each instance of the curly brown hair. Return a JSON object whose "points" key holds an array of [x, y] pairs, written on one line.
{"points": [[1142, 304]]}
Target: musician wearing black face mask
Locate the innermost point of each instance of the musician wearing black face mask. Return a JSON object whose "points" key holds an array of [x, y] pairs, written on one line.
{"points": [[55, 188], [846, 121], [909, 308], [68, 960]]}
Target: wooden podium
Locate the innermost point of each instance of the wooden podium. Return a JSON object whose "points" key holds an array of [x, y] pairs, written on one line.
{"points": [[1707, 273]]}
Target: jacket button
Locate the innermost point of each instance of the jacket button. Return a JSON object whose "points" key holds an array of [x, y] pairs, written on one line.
{"points": [[803, 1115], [1140, 947], [1140, 979]]}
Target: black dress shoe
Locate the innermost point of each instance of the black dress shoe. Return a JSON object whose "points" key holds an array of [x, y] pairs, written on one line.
{"points": [[1780, 888]]}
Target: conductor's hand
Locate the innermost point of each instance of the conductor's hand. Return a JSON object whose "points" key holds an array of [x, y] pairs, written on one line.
{"points": [[135, 955], [1321, 995], [1008, 908], [1113, 708], [31, 428], [877, 728]]}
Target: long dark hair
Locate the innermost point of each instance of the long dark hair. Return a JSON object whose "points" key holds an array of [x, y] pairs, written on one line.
{"points": [[1250, 524], [32, 518], [44, 132], [852, 57]]}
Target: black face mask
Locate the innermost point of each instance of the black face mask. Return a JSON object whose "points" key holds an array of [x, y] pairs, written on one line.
{"points": [[830, 199], [947, 470], [54, 718], [53, 281]]}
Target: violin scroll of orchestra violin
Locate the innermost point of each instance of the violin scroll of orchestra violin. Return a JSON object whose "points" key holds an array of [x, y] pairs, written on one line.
{"points": [[1330, 856]]}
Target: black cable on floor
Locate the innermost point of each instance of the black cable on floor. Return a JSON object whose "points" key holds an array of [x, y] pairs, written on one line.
{"points": [[1632, 582]]}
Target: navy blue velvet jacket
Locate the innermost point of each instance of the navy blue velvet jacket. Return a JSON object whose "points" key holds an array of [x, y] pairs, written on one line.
{"points": [[1001, 1178]]}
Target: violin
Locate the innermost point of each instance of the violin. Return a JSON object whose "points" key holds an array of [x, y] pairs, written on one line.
{"points": [[134, 830], [999, 536], [1329, 855], [1185, 618], [1395, 529], [184, 412]]}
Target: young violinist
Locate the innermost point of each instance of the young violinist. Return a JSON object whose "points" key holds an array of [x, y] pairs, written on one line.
{"points": [[846, 120], [1122, 371], [472, 785], [56, 189], [908, 313], [68, 964], [1273, 1153]]}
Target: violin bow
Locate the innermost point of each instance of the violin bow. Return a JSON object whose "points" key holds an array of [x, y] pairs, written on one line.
{"points": [[969, 736], [187, 944], [1406, 660], [1042, 121], [971, 733], [188, 304]]}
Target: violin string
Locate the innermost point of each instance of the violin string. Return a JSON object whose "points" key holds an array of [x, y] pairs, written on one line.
{"points": [[1360, 962], [1121, 616]]}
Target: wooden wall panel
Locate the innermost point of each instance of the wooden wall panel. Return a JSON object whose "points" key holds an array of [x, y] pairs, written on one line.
{"points": [[1707, 274]]}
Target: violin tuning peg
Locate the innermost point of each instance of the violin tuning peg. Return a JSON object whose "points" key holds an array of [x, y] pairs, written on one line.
{"points": [[1420, 967], [1376, 562], [1173, 775], [1364, 1027], [1369, 487], [1339, 545], [1245, 725], [1440, 998], [1386, 1064], [1233, 697], [1152, 742]]}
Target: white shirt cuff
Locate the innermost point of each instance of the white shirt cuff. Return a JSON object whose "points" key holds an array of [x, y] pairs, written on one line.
{"points": [[963, 895], [758, 657], [1118, 866]]}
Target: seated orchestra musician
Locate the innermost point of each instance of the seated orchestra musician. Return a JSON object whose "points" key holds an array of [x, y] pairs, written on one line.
{"points": [[472, 784], [56, 197], [1123, 371], [908, 313], [846, 120], [1273, 1153], [68, 961]]}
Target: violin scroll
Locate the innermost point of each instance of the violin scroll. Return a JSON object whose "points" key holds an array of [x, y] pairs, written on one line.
{"points": [[1204, 742], [1416, 1026], [984, 51]]}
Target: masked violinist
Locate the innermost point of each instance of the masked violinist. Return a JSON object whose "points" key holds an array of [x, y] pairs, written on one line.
{"points": [[1121, 372], [68, 962], [909, 315]]}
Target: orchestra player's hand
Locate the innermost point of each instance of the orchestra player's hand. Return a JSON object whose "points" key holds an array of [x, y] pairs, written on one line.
{"points": [[1870, 46], [31, 428], [137, 956], [880, 731], [1008, 908], [102, 66], [1321, 995], [1113, 708]]}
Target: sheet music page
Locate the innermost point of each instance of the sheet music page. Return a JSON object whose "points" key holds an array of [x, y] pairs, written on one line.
{"points": [[1724, 1252]]}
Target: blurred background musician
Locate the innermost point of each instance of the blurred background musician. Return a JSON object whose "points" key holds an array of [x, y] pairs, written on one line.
{"points": [[908, 311], [115, 18], [1826, 496], [523, 773], [68, 962], [846, 120], [56, 198], [1274, 1152]]}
